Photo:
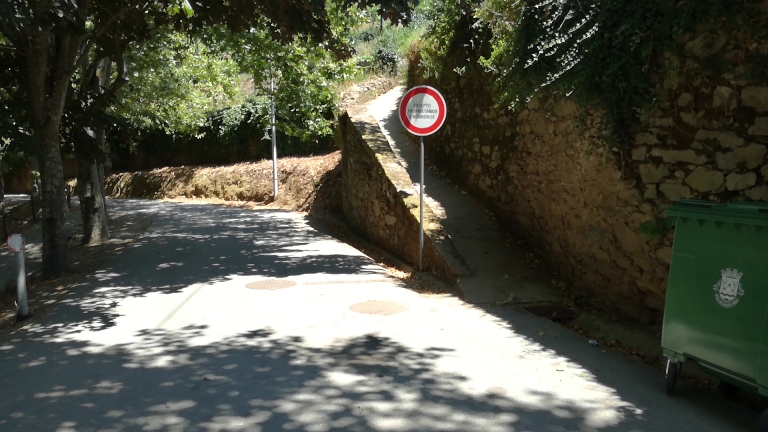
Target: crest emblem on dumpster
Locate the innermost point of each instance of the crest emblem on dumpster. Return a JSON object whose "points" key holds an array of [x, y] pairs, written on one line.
{"points": [[728, 289]]}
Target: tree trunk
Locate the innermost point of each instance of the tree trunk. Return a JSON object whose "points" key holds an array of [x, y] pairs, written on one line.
{"points": [[95, 229], [50, 65], [2, 186], [2, 202], [100, 223], [102, 181], [85, 196], [93, 203], [54, 201]]}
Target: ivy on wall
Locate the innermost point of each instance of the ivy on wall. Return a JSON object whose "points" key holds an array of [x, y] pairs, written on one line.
{"points": [[602, 52], [454, 41]]}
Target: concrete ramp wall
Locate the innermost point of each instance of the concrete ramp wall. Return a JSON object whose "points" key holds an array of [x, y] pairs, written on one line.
{"points": [[379, 200]]}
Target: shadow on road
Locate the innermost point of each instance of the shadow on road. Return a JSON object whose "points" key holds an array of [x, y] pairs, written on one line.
{"points": [[255, 381], [66, 372]]}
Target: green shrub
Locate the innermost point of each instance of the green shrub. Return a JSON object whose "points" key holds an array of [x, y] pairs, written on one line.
{"points": [[384, 49], [229, 135]]}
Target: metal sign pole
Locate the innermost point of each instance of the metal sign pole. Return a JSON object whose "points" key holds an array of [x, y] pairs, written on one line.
{"points": [[421, 205], [422, 112], [274, 134]]}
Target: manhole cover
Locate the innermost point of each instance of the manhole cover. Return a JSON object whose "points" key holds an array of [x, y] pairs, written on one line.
{"points": [[378, 307], [552, 311], [270, 284]]}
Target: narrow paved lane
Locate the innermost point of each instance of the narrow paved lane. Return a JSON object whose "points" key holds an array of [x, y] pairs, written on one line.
{"points": [[223, 319]]}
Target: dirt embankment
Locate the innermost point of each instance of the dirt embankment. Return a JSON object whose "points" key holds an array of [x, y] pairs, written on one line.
{"points": [[305, 183]]}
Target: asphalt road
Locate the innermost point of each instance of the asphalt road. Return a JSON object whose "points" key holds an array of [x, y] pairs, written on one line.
{"points": [[222, 319]]}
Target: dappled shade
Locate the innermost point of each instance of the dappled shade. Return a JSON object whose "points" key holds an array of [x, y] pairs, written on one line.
{"points": [[167, 337]]}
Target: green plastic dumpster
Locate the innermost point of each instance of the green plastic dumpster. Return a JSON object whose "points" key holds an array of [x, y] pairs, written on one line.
{"points": [[717, 295]]}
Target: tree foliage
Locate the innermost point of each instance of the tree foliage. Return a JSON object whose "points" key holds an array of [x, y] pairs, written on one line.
{"points": [[176, 82], [45, 43], [395, 11], [176, 99], [455, 36], [600, 50], [305, 76]]}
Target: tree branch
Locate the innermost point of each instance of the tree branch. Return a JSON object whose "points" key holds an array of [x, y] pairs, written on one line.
{"points": [[38, 47], [91, 40], [64, 70], [102, 100], [88, 73], [122, 75]]}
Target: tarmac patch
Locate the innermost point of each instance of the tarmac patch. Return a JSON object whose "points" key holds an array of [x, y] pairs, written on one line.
{"points": [[498, 391], [270, 284], [378, 307]]}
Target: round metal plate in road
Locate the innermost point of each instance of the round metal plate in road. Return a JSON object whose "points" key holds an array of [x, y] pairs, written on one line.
{"points": [[270, 284], [378, 307]]}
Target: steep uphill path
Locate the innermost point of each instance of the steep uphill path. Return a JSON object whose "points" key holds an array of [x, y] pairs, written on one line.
{"points": [[495, 271]]}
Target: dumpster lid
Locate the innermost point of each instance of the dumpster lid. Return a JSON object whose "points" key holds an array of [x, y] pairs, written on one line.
{"points": [[746, 212]]}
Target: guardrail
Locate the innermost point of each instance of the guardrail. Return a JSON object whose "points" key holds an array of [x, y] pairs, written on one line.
{"points": [[22, 212]]}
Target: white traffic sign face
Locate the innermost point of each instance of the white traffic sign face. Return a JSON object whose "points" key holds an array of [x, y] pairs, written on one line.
{"points": [[15, 242], [422, 110]]}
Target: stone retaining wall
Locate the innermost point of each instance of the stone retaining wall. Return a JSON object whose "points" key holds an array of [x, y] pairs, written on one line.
{"points": [[592, 208], [378, 198]]}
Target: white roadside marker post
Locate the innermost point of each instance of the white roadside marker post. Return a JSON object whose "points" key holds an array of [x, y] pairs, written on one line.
{"points": [[16, 244]]}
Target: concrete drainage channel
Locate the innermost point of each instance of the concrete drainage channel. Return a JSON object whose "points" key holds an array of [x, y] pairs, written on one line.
{"points": [[552, 311], [370, 307]]}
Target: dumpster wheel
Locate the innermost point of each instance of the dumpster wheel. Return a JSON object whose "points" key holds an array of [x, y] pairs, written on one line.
{"points": [[673, 370], [729, 391], [763, 422]]}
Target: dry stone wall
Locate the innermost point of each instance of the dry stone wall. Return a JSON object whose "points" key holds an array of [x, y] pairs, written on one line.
{"points": [[707, 138], [593, 208], [378, 198]]}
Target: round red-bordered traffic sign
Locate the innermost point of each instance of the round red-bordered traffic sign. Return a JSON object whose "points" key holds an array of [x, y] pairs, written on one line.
{"points": [[422, 110], [15, 242]]}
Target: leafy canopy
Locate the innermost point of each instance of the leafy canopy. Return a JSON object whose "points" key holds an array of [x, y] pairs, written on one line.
{"points": [[176, 81]]}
